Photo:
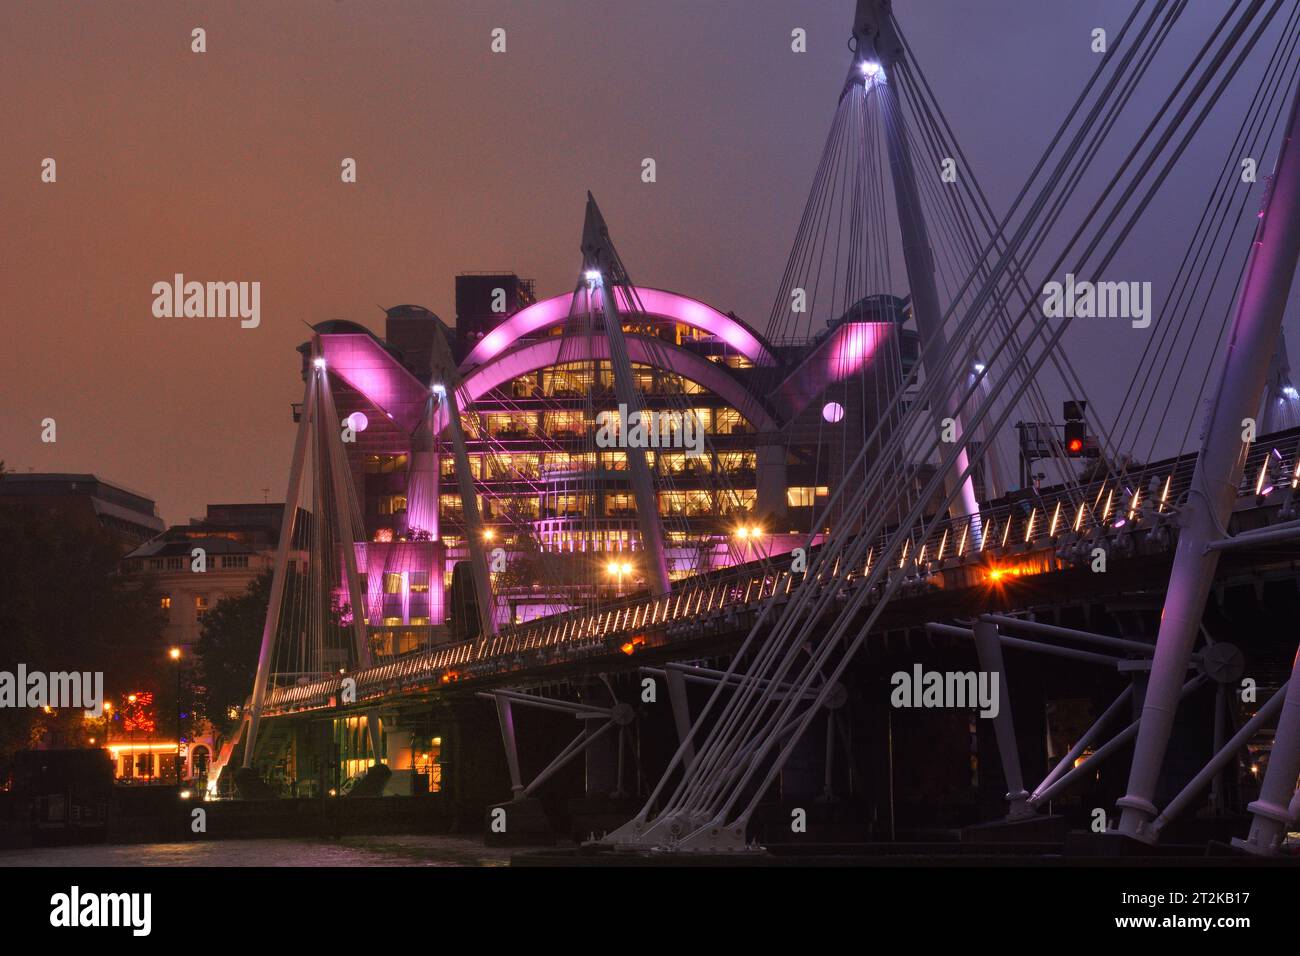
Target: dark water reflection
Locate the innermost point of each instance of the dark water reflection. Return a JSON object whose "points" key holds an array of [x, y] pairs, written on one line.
{"points": [[387, 850]]}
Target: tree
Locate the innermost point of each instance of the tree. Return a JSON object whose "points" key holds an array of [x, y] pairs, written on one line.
{"points": [[66, 608], [229, 642]]}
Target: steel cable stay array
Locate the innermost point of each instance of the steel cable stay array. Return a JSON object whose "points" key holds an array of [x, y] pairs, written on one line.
{"points": [[784, 660], [963, 334], [790, 662], [1217, 237], [577, 349], [1217, 243]]}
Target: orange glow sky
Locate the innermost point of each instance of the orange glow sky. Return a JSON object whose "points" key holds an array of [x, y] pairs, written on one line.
{"points": [[225, 166]]}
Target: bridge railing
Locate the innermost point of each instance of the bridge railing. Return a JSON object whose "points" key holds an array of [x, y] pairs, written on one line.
{"points": [[1146, 498]]}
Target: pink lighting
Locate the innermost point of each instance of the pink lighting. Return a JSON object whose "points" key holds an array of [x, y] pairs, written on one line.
{"points": [[530, 356], [832, 412], [405, 559], [847, 351], [656, 302], [852, 345], [358, 360], [358, 421]]}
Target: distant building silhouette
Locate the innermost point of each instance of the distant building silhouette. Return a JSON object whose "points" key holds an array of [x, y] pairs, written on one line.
{"points": [[129, 515]]}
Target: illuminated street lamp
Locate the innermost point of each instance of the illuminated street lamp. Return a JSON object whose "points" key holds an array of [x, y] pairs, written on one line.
{"points": [[749, 536], [617, 570], [175, 655]]}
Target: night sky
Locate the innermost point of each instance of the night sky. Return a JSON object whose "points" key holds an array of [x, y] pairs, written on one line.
{"points": [[225, 166]]}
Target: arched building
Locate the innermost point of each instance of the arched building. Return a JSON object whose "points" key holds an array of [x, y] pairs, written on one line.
{"points": [[779, 423]]}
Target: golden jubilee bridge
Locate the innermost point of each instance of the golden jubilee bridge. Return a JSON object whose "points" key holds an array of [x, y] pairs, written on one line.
{"points": [[715, 634]]}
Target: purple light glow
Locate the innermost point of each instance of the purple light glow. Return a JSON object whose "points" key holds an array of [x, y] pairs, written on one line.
{"points": [[846, 351], [679, 308], [374, 560], [358, 421], [359, 361], [832, 412], [852, 346], [534, 355]]}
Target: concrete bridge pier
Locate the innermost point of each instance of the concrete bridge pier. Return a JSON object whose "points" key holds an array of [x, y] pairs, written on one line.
{"points": [[609, 779], [314, 759], [520, 821]]}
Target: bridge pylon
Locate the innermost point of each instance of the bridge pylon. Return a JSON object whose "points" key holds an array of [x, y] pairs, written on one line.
{"points": [[318, 455], [603, 273], [1256, 324], [879, 51]]}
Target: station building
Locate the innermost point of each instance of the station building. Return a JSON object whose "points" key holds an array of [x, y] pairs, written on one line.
{"points": [[782, 423]]}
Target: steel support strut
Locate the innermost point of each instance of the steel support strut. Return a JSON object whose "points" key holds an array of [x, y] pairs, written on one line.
{"points": [[1273, 810], [601, 260], [620, 715], [447, 390], [988, 648], [875, 36], [281, 557], [349, 534], [1203, 520]]}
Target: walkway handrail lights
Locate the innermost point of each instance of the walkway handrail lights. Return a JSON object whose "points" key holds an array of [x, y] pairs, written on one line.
{"points": [[709, 593]]}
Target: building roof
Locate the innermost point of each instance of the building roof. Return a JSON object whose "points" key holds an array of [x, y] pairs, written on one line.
{"points": [[65, 483], [167, 546], [228, 529], [128, 514]]}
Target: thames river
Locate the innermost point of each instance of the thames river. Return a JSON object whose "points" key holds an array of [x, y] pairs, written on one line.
{"points": [[387, 850]]}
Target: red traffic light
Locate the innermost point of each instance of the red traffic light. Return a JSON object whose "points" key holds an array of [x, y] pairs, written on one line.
{"points": [[1076, 436]]}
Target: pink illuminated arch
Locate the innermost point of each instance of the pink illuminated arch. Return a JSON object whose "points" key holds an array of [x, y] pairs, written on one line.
{"points": [[657, 302], [535, 355]]}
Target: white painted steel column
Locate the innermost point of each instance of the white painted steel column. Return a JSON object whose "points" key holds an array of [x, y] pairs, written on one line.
{"points": [[1204, 517]]}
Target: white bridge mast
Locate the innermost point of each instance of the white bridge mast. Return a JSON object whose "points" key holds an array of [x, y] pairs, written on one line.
{"points": [[1204, 518], [603, 271]]}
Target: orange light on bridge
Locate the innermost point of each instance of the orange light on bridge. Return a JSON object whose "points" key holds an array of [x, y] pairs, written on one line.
{"points": [[999, 575], [629, 647], [449, 676]]}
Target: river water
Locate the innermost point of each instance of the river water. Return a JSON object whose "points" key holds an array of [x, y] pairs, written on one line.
{"points": [[386, 850]]}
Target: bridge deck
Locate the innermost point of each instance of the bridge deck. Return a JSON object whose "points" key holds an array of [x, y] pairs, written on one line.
{"points": [[1025, 535]]}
